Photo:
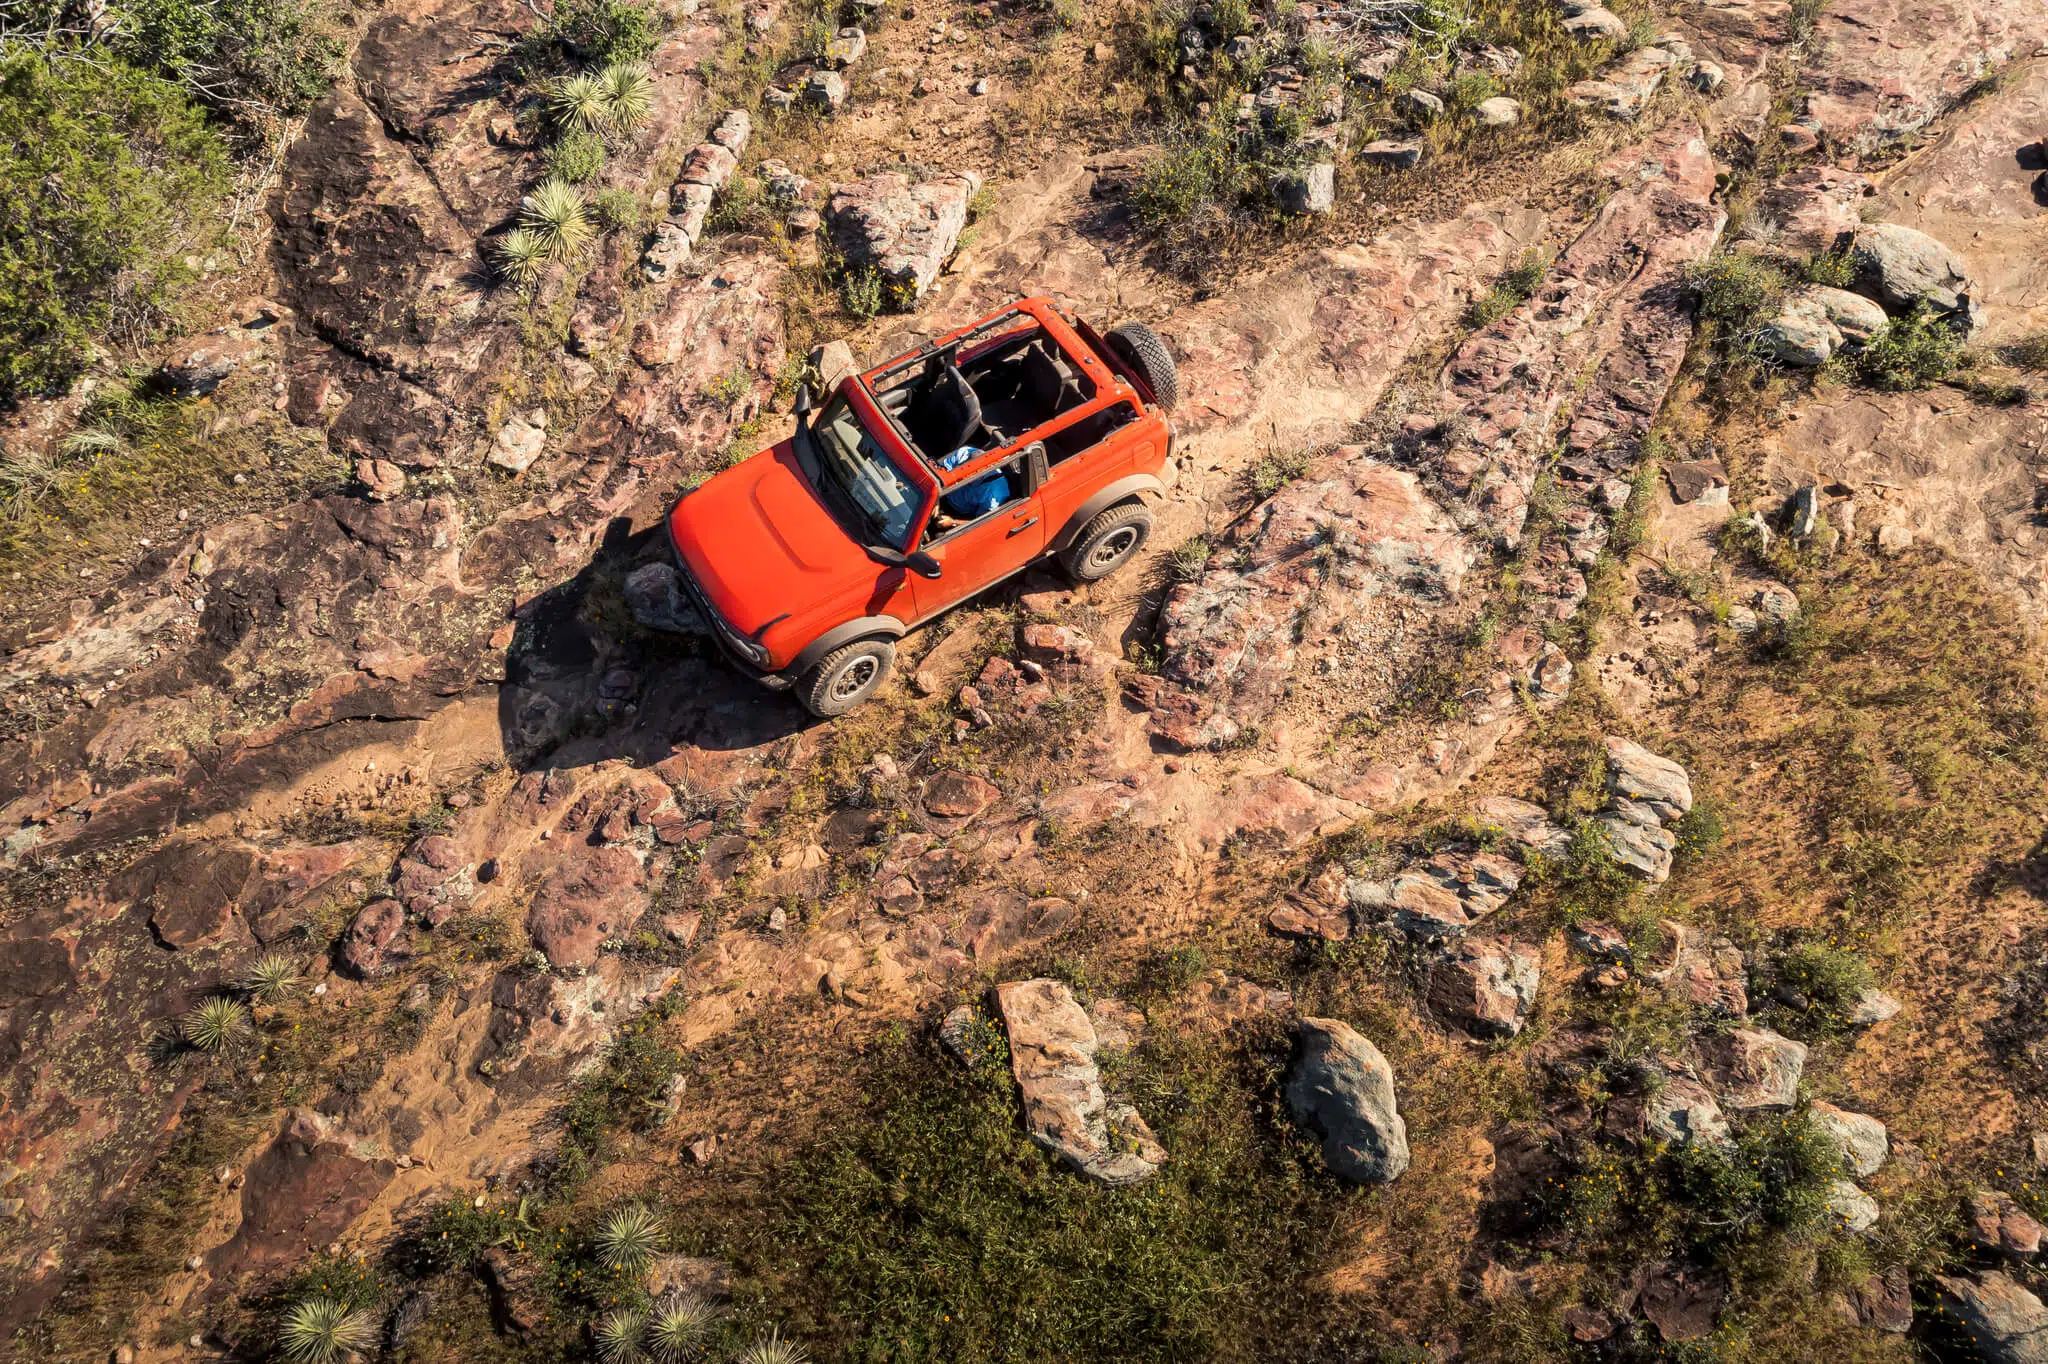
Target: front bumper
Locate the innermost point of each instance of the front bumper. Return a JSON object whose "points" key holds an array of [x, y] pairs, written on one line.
{"points": [[731, 643]]}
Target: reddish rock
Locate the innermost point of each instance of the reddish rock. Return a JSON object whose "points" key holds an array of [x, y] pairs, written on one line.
{"points": [[959, 795], [1487, 985], [2000, 1224], [999, 921], [587, 894], [904, 230], [382, 479], [1681, 1301], [1883, 1302], [373, 943], [301, 1193]]}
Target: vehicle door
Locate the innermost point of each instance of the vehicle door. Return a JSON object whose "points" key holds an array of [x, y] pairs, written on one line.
{"points": [[991, 547]]}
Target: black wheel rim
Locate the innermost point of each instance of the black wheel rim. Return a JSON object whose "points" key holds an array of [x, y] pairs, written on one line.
{"points": [[856, 677], [1113, 547]]}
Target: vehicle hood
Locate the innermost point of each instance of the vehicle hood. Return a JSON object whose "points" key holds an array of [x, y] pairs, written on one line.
{"points": [[760, 544]]}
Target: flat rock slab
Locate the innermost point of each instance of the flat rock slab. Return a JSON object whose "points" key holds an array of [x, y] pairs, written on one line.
{"points": [[1052, 1054]]}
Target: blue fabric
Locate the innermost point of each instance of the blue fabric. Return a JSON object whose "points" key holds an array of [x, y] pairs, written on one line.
{"points": [[978, 498]]}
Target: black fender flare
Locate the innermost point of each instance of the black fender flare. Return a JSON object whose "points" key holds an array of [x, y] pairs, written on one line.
{"points": [[1123, 490], [864, 628]]}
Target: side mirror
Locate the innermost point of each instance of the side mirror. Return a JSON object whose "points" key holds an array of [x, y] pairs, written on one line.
{"points": [[804, 403], [1036, 470], [923, 565]]}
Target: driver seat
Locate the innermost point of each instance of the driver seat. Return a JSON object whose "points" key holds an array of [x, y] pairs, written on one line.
{"points": [[947, 415]]}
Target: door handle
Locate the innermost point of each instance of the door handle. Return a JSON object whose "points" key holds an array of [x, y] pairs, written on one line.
{"points": [[1019, 527]]}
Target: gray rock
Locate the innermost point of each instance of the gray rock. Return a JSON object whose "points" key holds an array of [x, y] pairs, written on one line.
{"points": [[1683, 1110], [1856, 1209], [1421, 105], [1052, 1054], [1902, 267], [775, 97], [1342, 1091], [1860, 1138], [1312, 189], [1893, 540], [1646, 849], [1801, 334], [2006, 1322], [1854, 316], [833, 361], [1756, 1068], [825, 91], [1707, 78], [1805, 517], [1599, 940], [1873, 1005], [1635, 773], [846, 47], [1694, 478], [666, 254], [1499, 112], [1400, 154], [520, 440], [1487, 985], [1776, 603], [733, 130], [654, 594], [905, 229], [1527, 824], [1596, 22]]}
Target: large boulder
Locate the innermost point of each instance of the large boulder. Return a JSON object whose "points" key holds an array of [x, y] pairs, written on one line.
{"points": [[1756, 1068], [1903, 267], [2007, 1323], [1052, 1054], [2000, 1225], [1342, 1090], [1646, 791], [902, 228], [1681, 1110]]}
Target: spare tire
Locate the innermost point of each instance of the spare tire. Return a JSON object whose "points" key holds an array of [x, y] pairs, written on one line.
{"points": [[1138, 346]]}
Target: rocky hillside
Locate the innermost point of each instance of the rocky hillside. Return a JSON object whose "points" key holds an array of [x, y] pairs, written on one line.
{"points": [[1540, 859]]}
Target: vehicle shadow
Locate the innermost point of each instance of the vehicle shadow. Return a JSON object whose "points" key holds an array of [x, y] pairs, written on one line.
{"points": [[585, 683]]}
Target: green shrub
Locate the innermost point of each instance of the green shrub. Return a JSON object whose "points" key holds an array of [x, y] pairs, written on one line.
{"points": [[271, 978], [1833, 980], [558, 218], [617, 207], [629, 1239], [520, 257], [1192, 172], [628, 95], [618, 1335], [577, 156], [1469, 90], [1835, 269], [215, 1024], [1189, 559], [1740, 292], [1911, 352], [2029, 353], [325, 1331], [238, 56], [679, 1328], [608, 30], [860, 293], [106, 174], [1776, 1177], [1511, 290]]}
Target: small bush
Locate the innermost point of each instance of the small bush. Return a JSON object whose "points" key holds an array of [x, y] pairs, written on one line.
{"points": [[106, 173], [2030, 353], [1511, 290], [1835, 269], [618, 1334], [1739, 292], [520, 256], [1911, 352], [1831, 978], [679, 1328], [628, 95], [1777, 1177], [577, 157], [1470, 90], [579, 102], [1189, 559], [1276, 471], [773, 1349], [271, 978], [558, 219], [860, 293], [617, 207], [239, 56], [608, 30]]}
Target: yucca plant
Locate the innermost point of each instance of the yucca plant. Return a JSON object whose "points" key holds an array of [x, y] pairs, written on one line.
{"points": [[679, 1328], [323, 1331], [630, 1238], [217, 1021], [521, 256], [580, 101], [270, 978], [628, 94], [618, 1335], [556, 214], [773, 1349]]}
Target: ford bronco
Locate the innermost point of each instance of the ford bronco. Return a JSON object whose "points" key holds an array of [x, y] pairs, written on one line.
{"points": [[922, 482]]}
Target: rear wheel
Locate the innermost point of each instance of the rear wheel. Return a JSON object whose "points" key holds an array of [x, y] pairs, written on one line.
{"points": [[1108, 542], [846, 677], [1141, 348]]}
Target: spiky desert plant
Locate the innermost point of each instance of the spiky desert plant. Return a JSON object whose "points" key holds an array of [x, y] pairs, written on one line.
{"points": [[557, 215], [215, 1022], [773, 1349], [580, 101], [630, 1237], [618, 1335], [679, 1327], [270, 978], [628, 94], [323, 1331], [521, 256]]}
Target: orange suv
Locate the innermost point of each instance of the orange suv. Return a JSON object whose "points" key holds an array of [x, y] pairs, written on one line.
{"points": [[922, 482]]}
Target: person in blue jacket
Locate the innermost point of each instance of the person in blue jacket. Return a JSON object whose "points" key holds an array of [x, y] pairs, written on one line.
{"points": [[972, 500]]}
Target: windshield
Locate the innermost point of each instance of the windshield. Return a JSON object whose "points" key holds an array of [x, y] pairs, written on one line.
{"points": [[852, 462]]}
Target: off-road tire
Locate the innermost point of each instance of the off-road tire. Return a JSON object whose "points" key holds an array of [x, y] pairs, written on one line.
{"points": [[846, 677], [1108, 542], [1141, 349]]}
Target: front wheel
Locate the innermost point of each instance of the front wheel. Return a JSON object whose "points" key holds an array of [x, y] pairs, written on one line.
{"points": [[1108, 542], [846, 677]]}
